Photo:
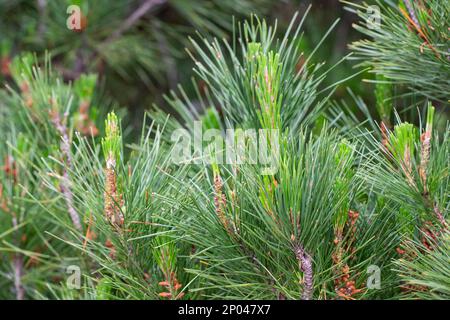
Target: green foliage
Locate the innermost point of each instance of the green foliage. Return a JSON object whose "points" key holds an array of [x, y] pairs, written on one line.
{"points": [[340, 197], [112, 143], [383, 94], [248, 90]]}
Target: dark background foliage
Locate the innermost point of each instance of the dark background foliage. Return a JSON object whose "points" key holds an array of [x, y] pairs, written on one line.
{"points": [[143, 219]]}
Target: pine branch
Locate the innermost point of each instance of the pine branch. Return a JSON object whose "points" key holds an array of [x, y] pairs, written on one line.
{"points": [[145, 7], [18, 270], [421, 61]]}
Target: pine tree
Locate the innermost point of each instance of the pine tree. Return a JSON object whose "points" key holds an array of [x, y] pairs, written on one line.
{"points": [[409, 47]]}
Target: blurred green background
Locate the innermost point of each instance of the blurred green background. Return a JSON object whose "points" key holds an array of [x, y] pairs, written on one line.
{"points": [[138, 48]]}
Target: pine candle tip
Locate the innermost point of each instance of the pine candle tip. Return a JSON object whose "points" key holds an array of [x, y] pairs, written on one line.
{"points": [[113, 138], [430, 117]]}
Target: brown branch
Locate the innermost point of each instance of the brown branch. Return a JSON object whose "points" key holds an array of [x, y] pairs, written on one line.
{"points": [[18, 271], [65, 182], [305, 263], [439, 216], [133, 18], [42, 8]]}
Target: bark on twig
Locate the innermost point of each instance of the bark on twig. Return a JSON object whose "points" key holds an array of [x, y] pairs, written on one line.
{"points": [[305, 263], [18, 271], [133, 18]]}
